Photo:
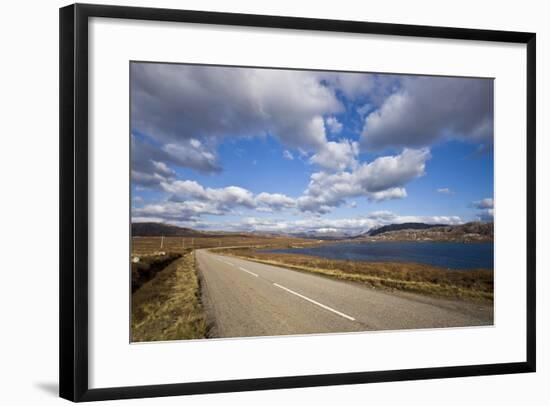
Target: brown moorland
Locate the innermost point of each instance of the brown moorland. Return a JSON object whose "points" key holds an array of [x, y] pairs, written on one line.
{"points": [[168, 307]]}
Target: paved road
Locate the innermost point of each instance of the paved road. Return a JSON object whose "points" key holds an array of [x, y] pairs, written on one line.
{"points": [[245, 298]]}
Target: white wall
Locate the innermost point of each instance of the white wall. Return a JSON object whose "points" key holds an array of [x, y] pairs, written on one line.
{"points": [[29, 177]]}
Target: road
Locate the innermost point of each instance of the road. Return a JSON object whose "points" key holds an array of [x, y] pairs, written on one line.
{"points": [[245, 299]]}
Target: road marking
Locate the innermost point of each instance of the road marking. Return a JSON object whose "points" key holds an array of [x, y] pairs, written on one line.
{"points": [[316, 303], [247, 271], [225, 262]]}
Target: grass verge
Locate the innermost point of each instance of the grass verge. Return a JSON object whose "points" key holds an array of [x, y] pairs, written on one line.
{"points": [[168, 306], [411, 277], [147, 267]]}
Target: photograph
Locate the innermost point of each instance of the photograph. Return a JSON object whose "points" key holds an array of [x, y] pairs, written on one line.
{"points": [[281, 201]]}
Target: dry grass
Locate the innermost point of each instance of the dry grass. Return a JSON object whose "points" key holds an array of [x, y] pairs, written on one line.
{"points": [[152, 245], [147, 267], [168, 307], [411, 277]]}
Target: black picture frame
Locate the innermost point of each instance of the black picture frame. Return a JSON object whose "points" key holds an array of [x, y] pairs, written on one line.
{"points": [[73, 281]]}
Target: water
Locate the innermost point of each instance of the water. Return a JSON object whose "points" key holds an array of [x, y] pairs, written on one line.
{"points": [[443, 254]]}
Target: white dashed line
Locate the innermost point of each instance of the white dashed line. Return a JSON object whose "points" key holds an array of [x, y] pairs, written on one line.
{"points": [[315, 302], [247, 271], [330, 309], [225, 262]]}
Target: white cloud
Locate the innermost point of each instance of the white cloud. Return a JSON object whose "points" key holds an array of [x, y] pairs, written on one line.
{"points": [[227, 197], [389, 194], [192, 154], [392, 171], [147, 167], [352, 85], [152, 164], [445, 191], [487, 203], [162, 168], [275, 201], [337, 155], [349, 226], [173, 103], [334, 125], [173, 211], [485, 209], [288, 155], [381, 179], [144, 179], [425, 109]]}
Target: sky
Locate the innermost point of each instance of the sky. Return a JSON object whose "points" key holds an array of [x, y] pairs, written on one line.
{"points": [[293, 151]]}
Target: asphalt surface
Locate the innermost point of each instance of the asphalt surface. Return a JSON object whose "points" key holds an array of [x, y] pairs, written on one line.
{"points": [[245, 299]]}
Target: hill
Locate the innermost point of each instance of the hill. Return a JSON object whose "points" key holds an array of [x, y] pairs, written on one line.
{"points": [[161, 229], [469, 232], [403, 226]]}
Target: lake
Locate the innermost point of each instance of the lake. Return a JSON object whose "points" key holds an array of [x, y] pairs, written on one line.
{"points": [[443, 254]]}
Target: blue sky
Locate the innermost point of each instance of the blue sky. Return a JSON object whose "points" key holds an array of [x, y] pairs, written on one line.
{"points": [[265, 150]]}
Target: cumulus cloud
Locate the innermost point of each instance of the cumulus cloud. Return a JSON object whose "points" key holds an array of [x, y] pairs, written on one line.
{"points": [[486, 203], [144, 179], [151, 163], [351, 84], [147, 166], [392, 171], [193, 154], [425, 109], [393, 193], [227, 197], [174, 211], [485, 209], [337, 155], [379, 180], [334, 125], [275, 201], [178, 102], [445, 191]]}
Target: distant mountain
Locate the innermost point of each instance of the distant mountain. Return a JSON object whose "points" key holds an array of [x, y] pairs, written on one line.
{"points": [[168, 230], [320, 235], [161, 229], [402, 226], [469, 232]]}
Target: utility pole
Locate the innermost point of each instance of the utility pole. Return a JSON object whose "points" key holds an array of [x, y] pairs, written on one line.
{"points": [[161, 242]]}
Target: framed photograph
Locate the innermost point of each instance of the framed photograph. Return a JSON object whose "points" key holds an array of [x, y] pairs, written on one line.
{"points": [[257, 202]]}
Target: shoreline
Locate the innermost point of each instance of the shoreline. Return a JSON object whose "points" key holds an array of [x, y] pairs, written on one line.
{"points": [[471, 284]]}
